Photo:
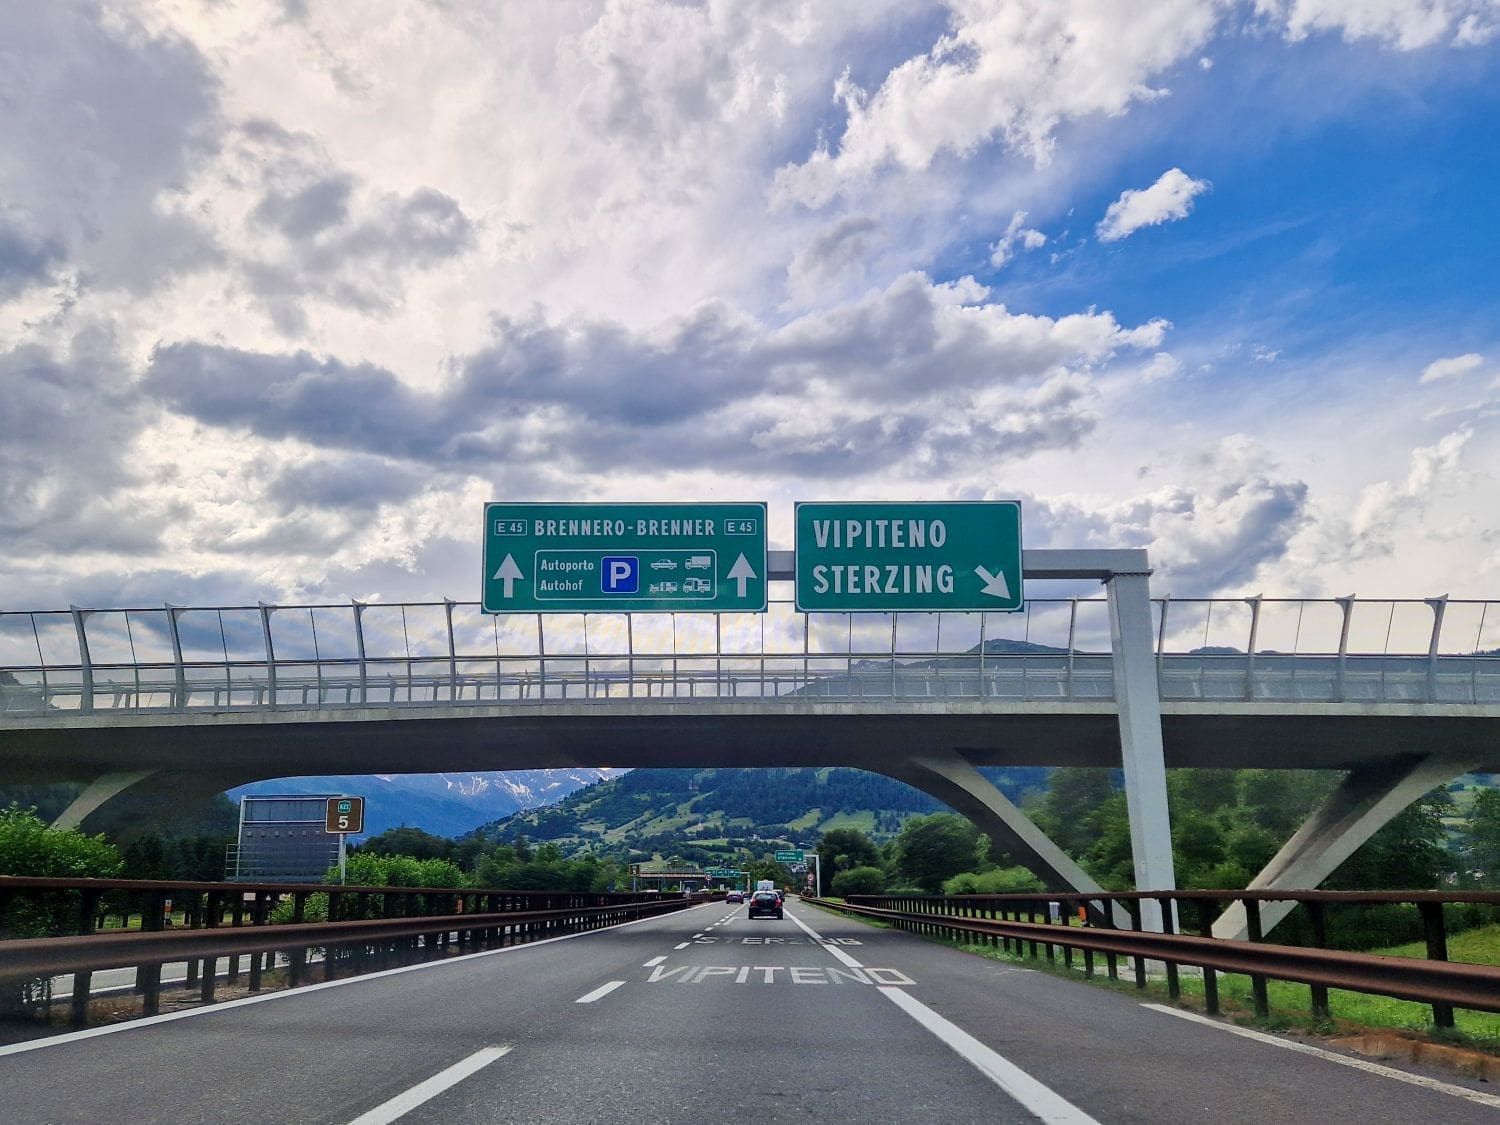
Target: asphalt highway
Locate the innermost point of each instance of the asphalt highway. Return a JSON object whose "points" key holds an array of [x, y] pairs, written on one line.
{"points": [[699, 1016]]}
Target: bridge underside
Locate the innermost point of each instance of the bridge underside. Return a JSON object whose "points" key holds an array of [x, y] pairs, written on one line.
{"points": [[252, 746], [1391, 753]]}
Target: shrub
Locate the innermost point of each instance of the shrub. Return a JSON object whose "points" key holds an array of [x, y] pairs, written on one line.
{"points": [[859, 881]]}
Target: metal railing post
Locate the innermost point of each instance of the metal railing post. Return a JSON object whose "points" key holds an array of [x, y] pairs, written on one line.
{"points": [[1346, 605], [448, 604], [1254, 604], [85, 665], [265, 626], [359, 643], [1439, 607], [179, 669]]}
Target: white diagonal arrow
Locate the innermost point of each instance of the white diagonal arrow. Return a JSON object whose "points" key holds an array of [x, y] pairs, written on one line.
{"points": [[741, 572], [994, 584], [508, 573]]}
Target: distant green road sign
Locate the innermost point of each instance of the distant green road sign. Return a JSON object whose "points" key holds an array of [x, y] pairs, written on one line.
{"points": [[888, 557], [722, 873], [576, 558], [791, 857]]}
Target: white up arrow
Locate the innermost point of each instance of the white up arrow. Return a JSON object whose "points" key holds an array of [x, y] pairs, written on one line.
{"points": [[508, 573], [741, 572], [994, 584]]}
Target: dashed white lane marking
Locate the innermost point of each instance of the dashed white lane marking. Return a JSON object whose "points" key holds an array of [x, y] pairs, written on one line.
{"points": [[654, 961], [682, 945], [599, 993], [1318, 1052], [407, 1101], [1041, 1100]]}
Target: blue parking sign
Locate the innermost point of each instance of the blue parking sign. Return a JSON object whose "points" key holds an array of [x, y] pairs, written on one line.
{"points": [[620, 574]]}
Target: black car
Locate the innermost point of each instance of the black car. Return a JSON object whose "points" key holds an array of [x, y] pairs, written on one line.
{"points": [[765, 903]]}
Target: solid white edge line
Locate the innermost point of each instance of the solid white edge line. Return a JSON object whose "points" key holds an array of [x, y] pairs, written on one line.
{"points": [[403, 1103], [1041, 1100], [300, 990], [1344, 1060], [1033, 1095], [599, 993]]}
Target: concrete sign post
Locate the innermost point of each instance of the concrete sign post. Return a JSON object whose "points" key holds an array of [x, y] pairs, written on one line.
{"points": [[619, 558], [900, 557]]}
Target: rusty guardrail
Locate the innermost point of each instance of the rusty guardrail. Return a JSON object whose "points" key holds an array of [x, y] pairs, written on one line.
{"points": [[350, 943], [1434, 981]]}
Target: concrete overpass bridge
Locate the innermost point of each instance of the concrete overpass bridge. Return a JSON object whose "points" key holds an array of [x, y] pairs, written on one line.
{"points": [[175, 703]]}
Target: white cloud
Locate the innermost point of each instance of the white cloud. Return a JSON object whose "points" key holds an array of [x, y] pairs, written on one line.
{"points": [[1450, 368], [1028, 239], [1405, 24], [1012, 72], [1167, 200]]}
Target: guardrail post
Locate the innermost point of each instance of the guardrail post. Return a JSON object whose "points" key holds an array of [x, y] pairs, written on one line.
{"points": [[78, 1006], [1257, 981], [1318, 918], [1437, 950], [1133, 908], [257, 918], [148, 977], [212, 915], [1174, 986], [1210, 976]]}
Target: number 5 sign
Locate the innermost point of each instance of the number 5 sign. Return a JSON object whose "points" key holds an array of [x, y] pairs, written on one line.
{"points": [[345, 814]]}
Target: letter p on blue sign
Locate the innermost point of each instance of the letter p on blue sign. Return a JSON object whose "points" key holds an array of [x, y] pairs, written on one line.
{"points": [[620, 574]]}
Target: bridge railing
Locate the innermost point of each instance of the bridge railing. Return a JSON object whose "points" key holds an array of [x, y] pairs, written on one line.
{"points": [[449, 654]]}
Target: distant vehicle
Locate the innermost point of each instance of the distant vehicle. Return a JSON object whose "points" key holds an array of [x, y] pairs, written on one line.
{"points": [[664, 564], [695, 585], [734, 896], [700, 562], [765, 903]]}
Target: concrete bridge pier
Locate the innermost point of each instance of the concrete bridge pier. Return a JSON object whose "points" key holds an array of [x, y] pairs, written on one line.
{"points": [[1368, 799]]}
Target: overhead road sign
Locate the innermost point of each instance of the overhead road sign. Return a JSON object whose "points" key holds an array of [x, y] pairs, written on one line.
{"points": [[790, 857], [919, 556], [577, 558]]}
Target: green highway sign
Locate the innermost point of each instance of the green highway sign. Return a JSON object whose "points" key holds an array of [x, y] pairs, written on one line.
{"points": [[576, 558], [886, 557], [722, 873], [791, 857]]}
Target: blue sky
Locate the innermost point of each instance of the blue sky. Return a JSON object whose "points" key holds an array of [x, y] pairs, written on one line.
{"points": [[286, 292]]}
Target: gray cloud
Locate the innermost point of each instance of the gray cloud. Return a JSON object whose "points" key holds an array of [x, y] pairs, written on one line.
{"points": [[331, 238], [100, 123], [950, 379], [360, 483], [27, 255]]}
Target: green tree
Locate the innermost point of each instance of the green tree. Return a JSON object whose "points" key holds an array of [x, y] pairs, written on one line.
{"points": [[411, 842], [933, 848], [28, 847], [843, 849], [1482, 836], [859, 881]]}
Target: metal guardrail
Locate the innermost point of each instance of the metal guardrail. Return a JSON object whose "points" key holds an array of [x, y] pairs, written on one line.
{"points": [[55, 663], [233, 919], [1013, 921]]}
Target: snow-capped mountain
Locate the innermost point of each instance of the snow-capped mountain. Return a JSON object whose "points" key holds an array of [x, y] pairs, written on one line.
{"points": [[444, 804]]}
